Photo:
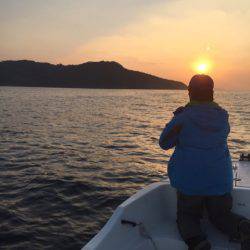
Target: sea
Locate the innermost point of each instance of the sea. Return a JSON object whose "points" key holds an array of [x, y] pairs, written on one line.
{"points": [[69, 157]]}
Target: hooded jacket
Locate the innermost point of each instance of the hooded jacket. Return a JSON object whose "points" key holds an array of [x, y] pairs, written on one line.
{"points": [[201, 162]]}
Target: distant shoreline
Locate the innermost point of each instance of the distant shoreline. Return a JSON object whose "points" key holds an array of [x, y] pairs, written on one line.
{"points": [[216, 90], [63, 87], [93, 75]]}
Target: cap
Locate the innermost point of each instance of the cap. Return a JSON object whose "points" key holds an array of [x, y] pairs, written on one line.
{"points": [[201, 82]]}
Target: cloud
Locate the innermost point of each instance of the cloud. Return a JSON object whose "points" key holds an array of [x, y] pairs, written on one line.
{"points": [[52, 29], [174, 35], [157, 36]]}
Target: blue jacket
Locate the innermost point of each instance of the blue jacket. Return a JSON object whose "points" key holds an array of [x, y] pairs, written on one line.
{"points": [[201, 162]]}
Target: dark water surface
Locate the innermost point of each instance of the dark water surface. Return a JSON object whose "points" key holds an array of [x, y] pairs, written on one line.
{"points": [[68, 157]]}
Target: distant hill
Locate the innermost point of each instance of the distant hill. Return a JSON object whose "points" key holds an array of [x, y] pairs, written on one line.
{"points": [[87, 75]]}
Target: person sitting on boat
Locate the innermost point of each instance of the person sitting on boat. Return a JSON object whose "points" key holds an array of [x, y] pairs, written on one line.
{"points": [[200, 167]]}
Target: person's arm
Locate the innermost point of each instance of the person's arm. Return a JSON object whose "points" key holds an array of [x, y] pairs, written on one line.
{"points": [[169, 136]]}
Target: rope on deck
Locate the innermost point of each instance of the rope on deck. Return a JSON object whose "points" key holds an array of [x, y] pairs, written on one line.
{"points": [[142, 231]]}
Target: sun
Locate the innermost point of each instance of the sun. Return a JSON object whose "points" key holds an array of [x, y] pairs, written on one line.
{"points": [[202, 68]]}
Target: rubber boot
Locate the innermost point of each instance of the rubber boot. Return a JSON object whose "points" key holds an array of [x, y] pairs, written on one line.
{"points": [[198, 243], [204, 245]]}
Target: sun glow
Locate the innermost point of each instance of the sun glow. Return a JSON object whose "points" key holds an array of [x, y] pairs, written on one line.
{"points": [[202, 66]]}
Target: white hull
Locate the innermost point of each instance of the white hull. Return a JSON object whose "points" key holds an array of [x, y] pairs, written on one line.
{"points": [[155, 208]]}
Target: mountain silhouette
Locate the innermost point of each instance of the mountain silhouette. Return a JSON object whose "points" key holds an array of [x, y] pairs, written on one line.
{"points": [[102, 74]]}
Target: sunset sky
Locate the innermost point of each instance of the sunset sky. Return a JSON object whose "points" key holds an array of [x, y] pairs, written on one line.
{"points": [[168, 38]]}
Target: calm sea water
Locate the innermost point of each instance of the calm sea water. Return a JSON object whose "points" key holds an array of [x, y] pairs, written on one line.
{"points": [[69, 157]]}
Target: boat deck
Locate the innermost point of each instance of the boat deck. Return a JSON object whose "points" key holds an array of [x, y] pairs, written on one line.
{"points": [[165, 236], [151, 214]]}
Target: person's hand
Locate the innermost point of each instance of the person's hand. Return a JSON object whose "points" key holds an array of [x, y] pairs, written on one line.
{"points": [[177, 129], [174, 132], [179, 110]]}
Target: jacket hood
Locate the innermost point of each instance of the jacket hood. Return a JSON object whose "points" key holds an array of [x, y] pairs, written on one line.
{"points": [[208, 126], [209, 117]]}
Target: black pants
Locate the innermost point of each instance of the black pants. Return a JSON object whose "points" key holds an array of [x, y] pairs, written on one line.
{"points": [[190, 211]]}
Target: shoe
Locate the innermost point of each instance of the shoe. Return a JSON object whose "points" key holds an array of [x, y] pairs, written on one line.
{"points": [[203, 245], [244, 229]]}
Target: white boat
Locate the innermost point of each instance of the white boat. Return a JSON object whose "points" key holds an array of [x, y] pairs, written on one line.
{"points": [[147, 220]]}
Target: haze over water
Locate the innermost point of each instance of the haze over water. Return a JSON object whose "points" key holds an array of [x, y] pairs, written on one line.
{"points": [[69, 157]]}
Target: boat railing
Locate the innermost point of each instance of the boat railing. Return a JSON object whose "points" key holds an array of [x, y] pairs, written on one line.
{"points": [[240, 170]]}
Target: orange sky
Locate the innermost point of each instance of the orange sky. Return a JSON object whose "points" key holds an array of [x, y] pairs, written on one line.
{"points": [[165, 38]]}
